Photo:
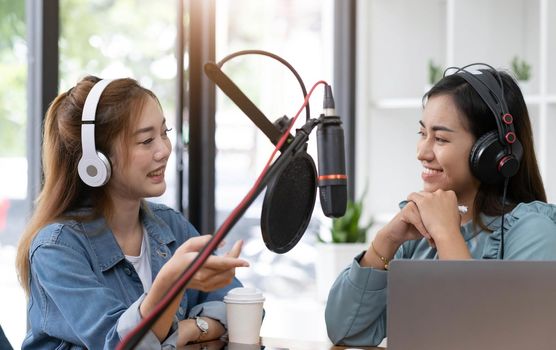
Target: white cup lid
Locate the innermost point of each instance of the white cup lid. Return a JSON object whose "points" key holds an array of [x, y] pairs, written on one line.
{"points": [[244, 295]]}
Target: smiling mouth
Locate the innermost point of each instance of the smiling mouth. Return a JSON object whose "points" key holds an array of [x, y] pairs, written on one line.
{"points": [[157, 172], [430, 171]]}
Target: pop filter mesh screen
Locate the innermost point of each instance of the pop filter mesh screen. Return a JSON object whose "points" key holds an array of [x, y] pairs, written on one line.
{"points": [[288, 204]]}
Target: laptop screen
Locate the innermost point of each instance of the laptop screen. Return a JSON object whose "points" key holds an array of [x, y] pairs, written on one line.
{"points": [[472, 304]]}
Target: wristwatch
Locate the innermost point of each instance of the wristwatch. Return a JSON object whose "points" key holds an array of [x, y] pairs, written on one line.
{"points": [[202, 325]]}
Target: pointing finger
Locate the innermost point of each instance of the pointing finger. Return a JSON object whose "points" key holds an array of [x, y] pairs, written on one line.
{"points": [[224, 263]]}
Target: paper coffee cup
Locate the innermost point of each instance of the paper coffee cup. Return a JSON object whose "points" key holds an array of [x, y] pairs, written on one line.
{"points": [[244, 308]]}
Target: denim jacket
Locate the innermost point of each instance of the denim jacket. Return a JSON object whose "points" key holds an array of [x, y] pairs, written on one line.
{"points": [[85, 294]]}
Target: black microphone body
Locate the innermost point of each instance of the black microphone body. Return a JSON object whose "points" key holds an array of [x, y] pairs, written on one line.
{"points": [[332, 179]]}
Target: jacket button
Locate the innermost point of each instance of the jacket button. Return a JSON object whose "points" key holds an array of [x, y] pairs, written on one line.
{"points": [[181, 310], [127, 271]]}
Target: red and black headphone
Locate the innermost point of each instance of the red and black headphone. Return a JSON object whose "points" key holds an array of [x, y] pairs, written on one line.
{"points": [[496, 155]]}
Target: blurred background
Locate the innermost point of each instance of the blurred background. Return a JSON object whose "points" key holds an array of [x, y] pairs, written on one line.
{"points": [[379, 55]]}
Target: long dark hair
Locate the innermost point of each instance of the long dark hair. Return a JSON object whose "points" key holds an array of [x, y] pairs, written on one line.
{"points": [[526, 186]]}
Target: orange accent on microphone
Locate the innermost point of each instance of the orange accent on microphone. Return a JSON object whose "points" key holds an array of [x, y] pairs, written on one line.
{"points": [[333, 177]]}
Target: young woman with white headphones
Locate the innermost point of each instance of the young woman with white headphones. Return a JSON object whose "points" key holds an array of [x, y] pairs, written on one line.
{"points": [[96, 257]]}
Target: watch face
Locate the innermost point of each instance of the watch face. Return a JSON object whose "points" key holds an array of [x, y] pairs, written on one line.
{"points": [[202, 324]]}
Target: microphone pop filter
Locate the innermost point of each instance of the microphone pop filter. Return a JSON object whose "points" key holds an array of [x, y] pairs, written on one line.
{"points": [[288, 204]]}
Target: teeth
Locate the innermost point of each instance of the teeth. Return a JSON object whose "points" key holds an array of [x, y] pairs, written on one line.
{"points": [[155, 173], [430, 171]]}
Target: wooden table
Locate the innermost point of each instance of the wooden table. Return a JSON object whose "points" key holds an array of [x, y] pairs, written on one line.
{"points": [[274, 344], [291, 344]]}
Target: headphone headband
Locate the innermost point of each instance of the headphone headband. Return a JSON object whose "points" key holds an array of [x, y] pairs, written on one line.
{"points": [[91, 102], [488, 84]]}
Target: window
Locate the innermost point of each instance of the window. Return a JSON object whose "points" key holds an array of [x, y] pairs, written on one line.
{"points": [[138, 39], [128, 38], [301, 33], [14, 201]]}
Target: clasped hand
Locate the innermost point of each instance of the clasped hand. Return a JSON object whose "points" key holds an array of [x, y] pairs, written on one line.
{"points": [[433, 215]]}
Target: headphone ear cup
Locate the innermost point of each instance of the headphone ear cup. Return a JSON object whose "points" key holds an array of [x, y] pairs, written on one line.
{"points": [[483, 158], [95, 171], [489, 160], [509, 165]]}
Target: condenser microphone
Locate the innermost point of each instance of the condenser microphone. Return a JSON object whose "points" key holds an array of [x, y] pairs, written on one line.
{"points": [[332, 178]]}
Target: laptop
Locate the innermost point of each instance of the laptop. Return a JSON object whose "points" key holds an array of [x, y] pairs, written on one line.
{"points": [[471, 305]]}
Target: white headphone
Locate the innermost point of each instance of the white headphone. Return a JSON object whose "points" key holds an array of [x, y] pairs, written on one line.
{"points": [[94, 167]]}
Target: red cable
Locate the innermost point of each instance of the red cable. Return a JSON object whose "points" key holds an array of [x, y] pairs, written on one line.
{"points": [[215, 240]]}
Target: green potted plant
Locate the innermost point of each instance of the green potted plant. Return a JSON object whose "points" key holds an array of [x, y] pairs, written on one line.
{"points": [[435, 72], [348, 237], [522, 71], [347, 229]]}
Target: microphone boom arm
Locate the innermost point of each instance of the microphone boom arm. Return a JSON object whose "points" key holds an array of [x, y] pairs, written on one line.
{"points": [[231, 90]]}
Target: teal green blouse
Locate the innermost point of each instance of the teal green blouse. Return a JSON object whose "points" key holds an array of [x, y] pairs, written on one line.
{"points": [[356, 307]]}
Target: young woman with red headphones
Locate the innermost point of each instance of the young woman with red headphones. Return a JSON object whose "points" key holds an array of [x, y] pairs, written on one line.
{"points": [[476, 148]]}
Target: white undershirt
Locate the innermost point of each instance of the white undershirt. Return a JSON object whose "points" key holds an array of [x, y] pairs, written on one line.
{"points": [[142, 264]]}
